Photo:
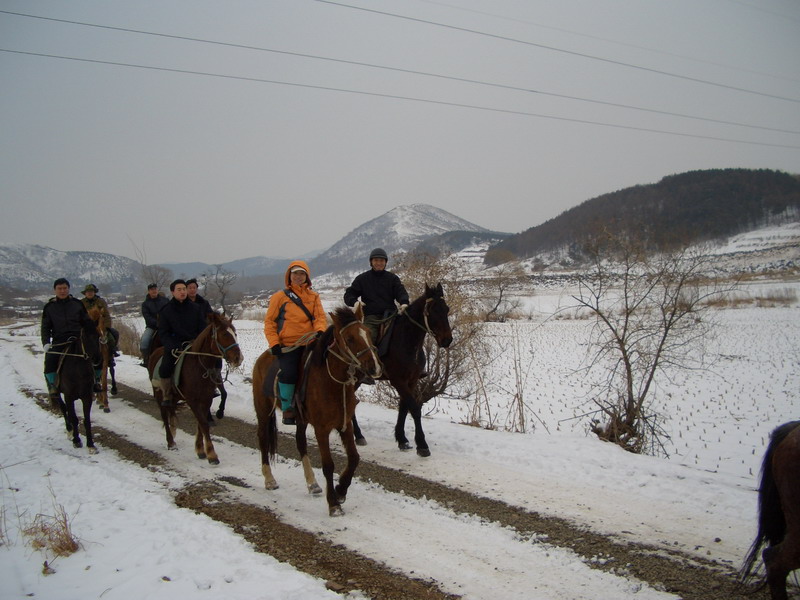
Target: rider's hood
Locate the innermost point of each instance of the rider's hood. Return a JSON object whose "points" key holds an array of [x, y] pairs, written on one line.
{"points": [[301, 264]]}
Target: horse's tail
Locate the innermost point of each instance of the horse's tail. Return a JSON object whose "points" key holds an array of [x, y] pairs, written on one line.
{"points": [[771, 521], [265, 407]]}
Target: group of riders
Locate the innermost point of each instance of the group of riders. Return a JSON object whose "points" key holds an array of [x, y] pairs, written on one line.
{"points": [[294, 318]]}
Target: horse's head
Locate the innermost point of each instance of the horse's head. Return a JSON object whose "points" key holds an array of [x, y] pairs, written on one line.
{"points": [[91, 338], [355, 340], [436, 314], [223, 335]]}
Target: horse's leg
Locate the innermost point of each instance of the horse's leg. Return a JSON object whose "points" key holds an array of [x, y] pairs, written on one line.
{"points": [[777, 570], [102, 395], [72, 420], [360, 439], [400, 426], [203, 444], [267, 428], [87, 423], [302, 448], [223, 396], [323, 444], [346, 477], [113, 381], [419, 434]]}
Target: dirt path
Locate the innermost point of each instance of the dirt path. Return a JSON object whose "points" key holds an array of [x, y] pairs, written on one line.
{"points": [[344, 570]]}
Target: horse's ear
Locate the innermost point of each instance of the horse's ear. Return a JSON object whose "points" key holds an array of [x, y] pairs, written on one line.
{"points": [[428, 289], [359, 312], [334, 318], [439, 289]]}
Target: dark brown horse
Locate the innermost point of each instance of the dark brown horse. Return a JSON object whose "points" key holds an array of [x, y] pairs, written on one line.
{"points": [[338, 358], [218, 378], [75, 379], [428, 314], [197, 380], [107, 366], [778, 511]]}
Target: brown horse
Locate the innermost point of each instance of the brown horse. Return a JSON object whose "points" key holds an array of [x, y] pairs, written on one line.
{"points": [[75, 379], [107, 366], [428, 314], [338, 358], [197, 380], [779, 511]]}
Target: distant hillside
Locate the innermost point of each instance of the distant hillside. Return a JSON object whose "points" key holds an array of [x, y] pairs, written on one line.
{"points": [[399, 230], [687, 208], [29, 266]]}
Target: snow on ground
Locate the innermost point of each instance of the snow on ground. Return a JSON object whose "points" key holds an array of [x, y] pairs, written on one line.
{"points": [[136, 543]]}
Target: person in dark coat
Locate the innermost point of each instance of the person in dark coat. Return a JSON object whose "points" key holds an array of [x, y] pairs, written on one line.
{"points": [[378, 289], [153, 303], [92, 300], [191, 290], [179, 322], [63, 317]]}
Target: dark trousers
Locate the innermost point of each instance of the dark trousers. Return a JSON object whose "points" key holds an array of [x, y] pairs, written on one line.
{"points": [[167, 364], [290, 366]]}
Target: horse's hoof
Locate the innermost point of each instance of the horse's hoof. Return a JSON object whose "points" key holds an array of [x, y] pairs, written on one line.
{"points": [[213, 461], [173, 447], [106, 409], [404, 446], [314, 488], [220, 414], [77, 444], [424, 452], [271, 485], [336, 511], [201, 455], [361, 441], [114, 390], [92, 450]]}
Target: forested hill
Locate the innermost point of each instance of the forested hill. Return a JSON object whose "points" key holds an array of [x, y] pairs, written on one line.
{"points": [[690, 207]]}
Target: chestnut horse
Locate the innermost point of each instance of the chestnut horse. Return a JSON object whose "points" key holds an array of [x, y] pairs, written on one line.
{"points": [[107, 366], [75, 379], [198, 380], [428, 314], [779, 511], [338, 358]]}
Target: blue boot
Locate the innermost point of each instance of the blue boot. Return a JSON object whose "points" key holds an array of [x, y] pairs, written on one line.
{"points": [[286, 391]]}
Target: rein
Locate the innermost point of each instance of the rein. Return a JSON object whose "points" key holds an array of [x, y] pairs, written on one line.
{"points": [[426, 328], [353, 364], [69, 342], [222, 350]]}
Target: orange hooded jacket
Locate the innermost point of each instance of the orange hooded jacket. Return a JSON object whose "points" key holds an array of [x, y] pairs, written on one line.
{"points": [[285, 322]]}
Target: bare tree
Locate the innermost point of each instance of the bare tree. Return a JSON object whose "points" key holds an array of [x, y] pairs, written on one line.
{"points": [[651, 312], [157, 274], [219, 285], [499, 302]]}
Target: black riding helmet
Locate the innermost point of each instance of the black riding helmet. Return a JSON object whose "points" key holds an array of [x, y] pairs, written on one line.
{"points": [[378, 253]]}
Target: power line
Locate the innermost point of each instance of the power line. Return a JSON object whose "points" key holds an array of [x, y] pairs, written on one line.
{"points": [[563, 51], [616, 42], [398, 97], [407, 71]]}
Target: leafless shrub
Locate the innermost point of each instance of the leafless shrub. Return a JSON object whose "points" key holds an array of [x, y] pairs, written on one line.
{"points": [[52, 534], [129, 338]]}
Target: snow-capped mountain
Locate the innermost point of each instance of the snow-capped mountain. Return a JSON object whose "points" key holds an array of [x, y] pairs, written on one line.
{"points": [[28, 265], [399, 230]]}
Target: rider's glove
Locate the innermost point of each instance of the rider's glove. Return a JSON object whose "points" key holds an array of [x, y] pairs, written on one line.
{"points": [[276, 349], [46, 348], [402, 309]]}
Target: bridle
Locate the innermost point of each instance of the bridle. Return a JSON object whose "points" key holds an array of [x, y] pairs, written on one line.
{"points": [[353, 362], [222, 351]]}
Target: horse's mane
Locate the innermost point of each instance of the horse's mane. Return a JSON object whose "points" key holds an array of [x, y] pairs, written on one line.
{"points": [[203, 336], [345, 316]]}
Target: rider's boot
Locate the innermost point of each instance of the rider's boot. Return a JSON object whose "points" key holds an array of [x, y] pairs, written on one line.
{"points": [[97, 387], [286, 390], [167, 399], [52, 391]]}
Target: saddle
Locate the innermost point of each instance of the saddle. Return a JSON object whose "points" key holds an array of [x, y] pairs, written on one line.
{"points": [[176, 374], [384, 336], [270, 385]]}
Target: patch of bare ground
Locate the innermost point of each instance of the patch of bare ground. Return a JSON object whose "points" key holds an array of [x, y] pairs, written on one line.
{"points": [[671, 571]]}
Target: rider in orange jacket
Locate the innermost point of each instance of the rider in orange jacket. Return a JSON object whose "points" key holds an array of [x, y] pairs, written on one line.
{"points": [[294, 318]]}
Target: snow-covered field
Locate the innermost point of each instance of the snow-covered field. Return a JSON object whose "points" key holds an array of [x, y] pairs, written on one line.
{"points": [[136, 543]]}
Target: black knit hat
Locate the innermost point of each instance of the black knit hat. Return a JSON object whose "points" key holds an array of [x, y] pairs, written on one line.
{"points": [[378, 253]]}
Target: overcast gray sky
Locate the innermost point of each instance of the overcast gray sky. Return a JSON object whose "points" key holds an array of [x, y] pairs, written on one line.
{"points": [[283, 124]]}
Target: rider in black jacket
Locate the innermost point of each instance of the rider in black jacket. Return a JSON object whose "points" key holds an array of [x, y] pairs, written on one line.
{"points": [[179, 321], [378, 289], [63, 317]]}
